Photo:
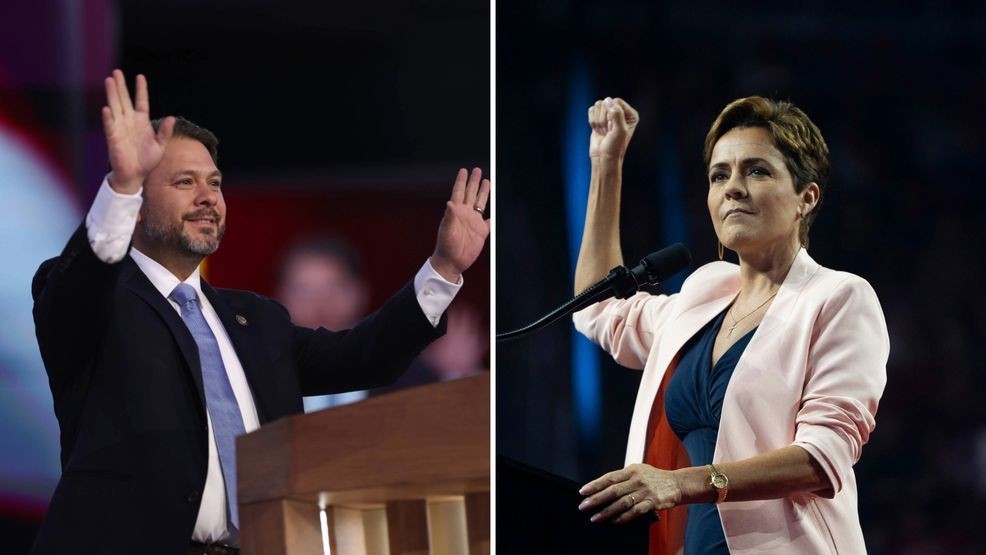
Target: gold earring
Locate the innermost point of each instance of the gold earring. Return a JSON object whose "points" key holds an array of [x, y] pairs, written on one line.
{"points": [[722, 252]]}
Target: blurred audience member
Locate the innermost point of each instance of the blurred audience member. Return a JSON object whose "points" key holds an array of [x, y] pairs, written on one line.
{"points": [[321, 283], [457, 354], [461, 351]]}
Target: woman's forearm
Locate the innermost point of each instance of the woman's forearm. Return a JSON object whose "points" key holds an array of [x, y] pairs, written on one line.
{"points": [[627, 493], [779, 473], [600, 251]]}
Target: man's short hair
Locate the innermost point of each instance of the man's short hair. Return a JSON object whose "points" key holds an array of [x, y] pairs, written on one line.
{"points": [[189, 130]]}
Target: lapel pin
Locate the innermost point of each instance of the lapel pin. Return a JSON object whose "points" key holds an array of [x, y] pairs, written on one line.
{"points": [[241, 320]]}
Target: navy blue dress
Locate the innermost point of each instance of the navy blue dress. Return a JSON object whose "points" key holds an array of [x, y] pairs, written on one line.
{"points": [[693, 404]]}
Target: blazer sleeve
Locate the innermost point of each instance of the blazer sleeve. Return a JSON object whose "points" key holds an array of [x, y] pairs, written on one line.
{"points": [[626, 328], [372, 354], [846, 375], [73, 296]]}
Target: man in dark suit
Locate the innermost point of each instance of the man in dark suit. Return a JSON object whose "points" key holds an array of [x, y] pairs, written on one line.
{"points": [[154, 372]]}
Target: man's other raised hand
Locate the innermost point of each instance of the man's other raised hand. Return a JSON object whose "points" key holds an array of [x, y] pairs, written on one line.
{"points": [[463, 230]]}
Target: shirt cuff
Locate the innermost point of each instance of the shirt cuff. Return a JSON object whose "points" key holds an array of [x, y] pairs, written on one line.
{"points": [[433, 292], [111, 221]]}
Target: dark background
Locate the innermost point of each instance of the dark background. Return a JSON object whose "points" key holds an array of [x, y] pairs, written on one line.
{"points": [[349, 117], [898, 90]]}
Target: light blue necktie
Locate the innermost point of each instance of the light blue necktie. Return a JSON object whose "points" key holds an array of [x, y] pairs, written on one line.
{"points": [[227, 422]]}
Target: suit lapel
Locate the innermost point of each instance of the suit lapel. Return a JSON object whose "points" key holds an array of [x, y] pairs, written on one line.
{"points": [[137, 282], [249, 349]]}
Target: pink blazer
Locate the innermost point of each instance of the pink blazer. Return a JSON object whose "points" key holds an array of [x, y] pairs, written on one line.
{"points": [[812, 375]]}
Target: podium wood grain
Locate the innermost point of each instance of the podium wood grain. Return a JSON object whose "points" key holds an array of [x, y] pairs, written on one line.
{"points": [[407, 527], [478, 522], [431, 441]]}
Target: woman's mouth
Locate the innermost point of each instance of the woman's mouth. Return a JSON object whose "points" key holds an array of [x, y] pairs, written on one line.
{"points": [[734, 211]]}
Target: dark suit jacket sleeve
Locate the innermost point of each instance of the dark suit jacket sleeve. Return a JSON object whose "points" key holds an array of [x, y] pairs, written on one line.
{"points": [[373, 354], [73, 294]]}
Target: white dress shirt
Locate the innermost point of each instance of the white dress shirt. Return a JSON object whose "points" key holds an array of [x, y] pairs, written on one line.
{"points": [[110, 225]]}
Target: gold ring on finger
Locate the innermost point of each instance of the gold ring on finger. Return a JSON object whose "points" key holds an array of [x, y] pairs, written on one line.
{"points": [[478, 209], [633, 500]]}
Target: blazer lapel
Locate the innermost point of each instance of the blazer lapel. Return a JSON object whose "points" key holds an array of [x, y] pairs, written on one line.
{"points": [[777, 318], [679, 330], [137, 282], [249, 349], [767, 352], [693, 318]]}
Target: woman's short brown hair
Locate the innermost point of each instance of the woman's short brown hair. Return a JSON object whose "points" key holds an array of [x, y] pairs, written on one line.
{"points": [[798, 139]]}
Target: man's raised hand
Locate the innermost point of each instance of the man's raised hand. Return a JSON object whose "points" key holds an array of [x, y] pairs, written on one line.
{"points": [[134, 148], [463, 230]]}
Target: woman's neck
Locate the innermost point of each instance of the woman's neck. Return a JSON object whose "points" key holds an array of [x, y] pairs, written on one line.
{"points": [[763, 271]]}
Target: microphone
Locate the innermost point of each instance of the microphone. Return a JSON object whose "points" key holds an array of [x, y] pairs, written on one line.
{"points": [[653, 269], [621, 283]]}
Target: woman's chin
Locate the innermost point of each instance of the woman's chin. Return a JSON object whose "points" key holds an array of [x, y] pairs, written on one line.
{"points": [[742, 242], [757, 246]]}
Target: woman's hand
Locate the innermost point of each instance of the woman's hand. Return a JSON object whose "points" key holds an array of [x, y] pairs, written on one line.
{"points": [[626, 494], [613, 122]]}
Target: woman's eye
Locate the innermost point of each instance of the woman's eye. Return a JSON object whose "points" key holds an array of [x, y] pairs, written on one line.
{"points": [[185, 182], [717, 177], [759, 171]]}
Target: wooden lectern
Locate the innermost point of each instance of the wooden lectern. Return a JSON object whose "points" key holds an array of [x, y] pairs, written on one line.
{"points": [[404, 473]]}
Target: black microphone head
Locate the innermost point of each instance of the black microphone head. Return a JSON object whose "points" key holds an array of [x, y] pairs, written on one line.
{"points": [[658, 266]]}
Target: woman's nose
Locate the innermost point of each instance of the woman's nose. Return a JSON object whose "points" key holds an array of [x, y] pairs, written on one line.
{"points": [[735, 187]]}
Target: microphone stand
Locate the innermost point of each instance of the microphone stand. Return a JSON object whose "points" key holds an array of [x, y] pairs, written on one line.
{"points": [[619, 283]]}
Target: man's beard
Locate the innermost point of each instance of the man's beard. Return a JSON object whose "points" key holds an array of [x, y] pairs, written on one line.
{"points": [[175, 236]]}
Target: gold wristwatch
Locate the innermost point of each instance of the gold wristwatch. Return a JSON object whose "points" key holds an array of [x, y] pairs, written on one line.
{"points": [[720, 482]]}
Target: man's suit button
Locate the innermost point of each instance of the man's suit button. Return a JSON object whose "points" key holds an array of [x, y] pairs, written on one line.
{"points": [[193, 497]]}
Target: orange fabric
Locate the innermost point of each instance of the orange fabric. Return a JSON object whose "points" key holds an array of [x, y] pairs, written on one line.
{"points": [[664, 450]]}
